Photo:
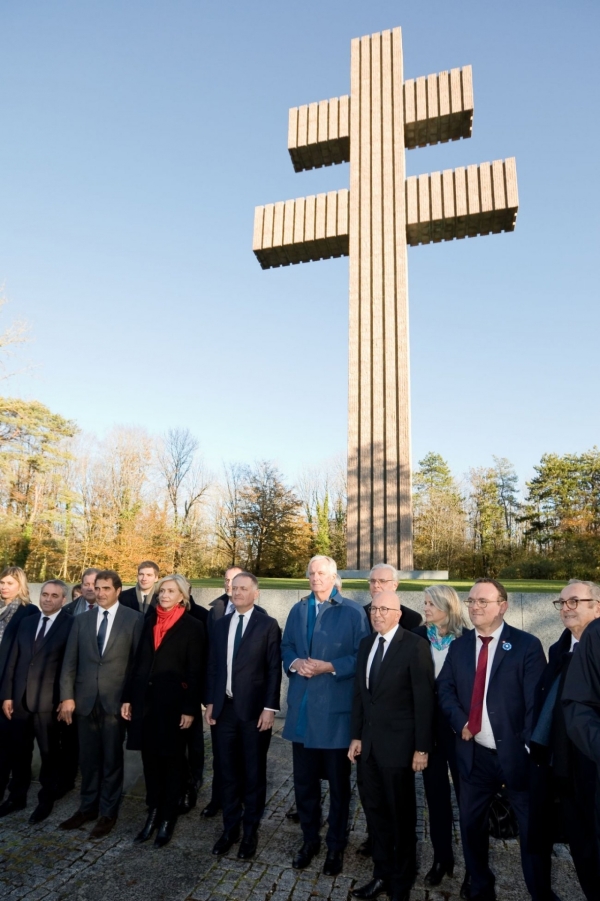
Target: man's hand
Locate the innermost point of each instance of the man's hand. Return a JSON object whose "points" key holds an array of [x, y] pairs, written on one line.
{"points": [[126, 711], [303, 667], [420, 761], [67, 709], [266, 720], [7, 709], [208, 717], [355, 749], [466, 735], [186, 721], [319, 666]]}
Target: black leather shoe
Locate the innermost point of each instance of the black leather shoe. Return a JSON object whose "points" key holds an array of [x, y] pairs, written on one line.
{"points": [[248, 845], [372, 889], [189, 799], [465, 889], [366, 849], [149, 827], [211, 810], [41, 813], [306, 854], [333, 863], [10, 806], [165, 833], [227, 840], [292, 814], [438, 871]]}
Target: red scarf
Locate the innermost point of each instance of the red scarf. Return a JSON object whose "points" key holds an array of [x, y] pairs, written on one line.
{"points": [[165, 620]]}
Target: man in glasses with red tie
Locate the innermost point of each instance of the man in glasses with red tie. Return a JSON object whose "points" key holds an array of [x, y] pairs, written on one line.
{"points": [[486, 689]]}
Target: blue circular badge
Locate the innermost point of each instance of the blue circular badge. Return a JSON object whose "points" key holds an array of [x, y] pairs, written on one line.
{"points": [[506, 645]]}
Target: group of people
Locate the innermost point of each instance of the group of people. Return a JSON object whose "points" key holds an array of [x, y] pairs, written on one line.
{"points": [[465, 700]]}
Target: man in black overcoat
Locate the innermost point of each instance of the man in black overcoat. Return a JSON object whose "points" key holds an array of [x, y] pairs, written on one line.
{"points": [[563, 779], [244, 682], [30, 695]]}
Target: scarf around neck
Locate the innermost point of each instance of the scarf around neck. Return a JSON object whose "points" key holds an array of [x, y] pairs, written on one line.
{"points": [[439, 642], [165, 620], [7, 614]]}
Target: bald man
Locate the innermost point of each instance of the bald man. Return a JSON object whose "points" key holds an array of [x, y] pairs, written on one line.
{"points": [[392, 732]]}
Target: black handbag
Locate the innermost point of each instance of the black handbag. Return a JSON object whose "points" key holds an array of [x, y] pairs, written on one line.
{"points": [[503, 822]]}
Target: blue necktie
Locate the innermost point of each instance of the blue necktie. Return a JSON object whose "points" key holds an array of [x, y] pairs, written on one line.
{"points": [[102, 633], [311, 620], [237, 640]]}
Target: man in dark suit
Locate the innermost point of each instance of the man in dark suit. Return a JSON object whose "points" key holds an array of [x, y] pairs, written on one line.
{"points": [[30, 695], [486, 690], [219, 608], [97, 661], [87, 600], [392, 725], [384, 577], [141, 596], [244, 682], [563, 779]]}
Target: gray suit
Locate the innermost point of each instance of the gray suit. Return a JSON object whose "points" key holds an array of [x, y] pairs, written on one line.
{"points": [[96, 684]]}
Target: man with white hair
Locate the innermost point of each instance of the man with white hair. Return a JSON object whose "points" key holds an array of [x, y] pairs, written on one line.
{"points": [[384, 577], [319, 650]]}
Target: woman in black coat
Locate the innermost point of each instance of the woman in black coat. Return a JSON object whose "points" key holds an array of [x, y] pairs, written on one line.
{"points": [[14, 607], [161, 700], [443, 623]]}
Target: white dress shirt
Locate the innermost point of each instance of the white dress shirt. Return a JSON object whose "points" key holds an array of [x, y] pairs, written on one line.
{"points": [[438, 656], [230, 608], [230, 640], [486, 736], [574, 641], [109, 621], [387, 639], [48, 624]]}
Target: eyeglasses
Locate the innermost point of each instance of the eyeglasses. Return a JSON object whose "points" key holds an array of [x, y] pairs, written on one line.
{"points": [[471, 602], [383, 610], [570, 603], [380, 581]]}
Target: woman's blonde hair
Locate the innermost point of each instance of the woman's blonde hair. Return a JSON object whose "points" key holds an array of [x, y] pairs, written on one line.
{"points": [[183, 585], [17, 573], [446, 599]]}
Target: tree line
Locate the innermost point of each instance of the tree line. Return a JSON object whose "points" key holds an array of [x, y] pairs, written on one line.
{"points": [[70, 500]]}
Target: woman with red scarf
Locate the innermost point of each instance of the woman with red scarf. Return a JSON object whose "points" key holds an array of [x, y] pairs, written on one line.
{"points": [[161, 699]]}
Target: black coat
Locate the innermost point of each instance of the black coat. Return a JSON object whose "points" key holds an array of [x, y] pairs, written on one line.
{"points": [[397, 719], [128, 598], [256, 677], [164, 685], [35, 677], [10, 633], [410, 618]]}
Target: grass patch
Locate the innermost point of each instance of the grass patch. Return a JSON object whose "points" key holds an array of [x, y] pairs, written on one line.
{"points": [[514, 585]]}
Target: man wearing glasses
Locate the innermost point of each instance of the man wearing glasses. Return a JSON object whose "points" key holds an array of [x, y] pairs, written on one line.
{"points": [[486, 690], [384, 577], [563, 778]]}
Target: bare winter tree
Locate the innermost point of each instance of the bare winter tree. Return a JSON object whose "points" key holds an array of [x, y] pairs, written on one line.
{"points": [[186, 482], [16, 333]]}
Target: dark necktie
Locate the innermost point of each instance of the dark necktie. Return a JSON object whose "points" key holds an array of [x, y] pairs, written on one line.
{"points": [[41, 634], [310, 621], [90, 607], [477, 698], [238, 636], [102, 632], [376, 664]]}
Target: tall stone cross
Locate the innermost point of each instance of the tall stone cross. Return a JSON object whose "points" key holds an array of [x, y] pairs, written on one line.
{"points": [[373, 223]]}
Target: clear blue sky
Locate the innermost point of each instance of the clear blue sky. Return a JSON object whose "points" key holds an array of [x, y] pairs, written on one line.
{"points": [[137, 138]]}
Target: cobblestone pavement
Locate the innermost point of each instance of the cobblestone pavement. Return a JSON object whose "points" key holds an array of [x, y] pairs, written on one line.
{"points": [[42, 862]]}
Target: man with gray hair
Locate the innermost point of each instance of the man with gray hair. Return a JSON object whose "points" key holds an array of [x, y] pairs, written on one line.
{"points": [[384, 577], [30, 697], [319, 648], [87, 600]]}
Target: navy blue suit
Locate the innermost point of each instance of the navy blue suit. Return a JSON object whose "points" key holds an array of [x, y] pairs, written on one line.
{"points": [[517, 667]]}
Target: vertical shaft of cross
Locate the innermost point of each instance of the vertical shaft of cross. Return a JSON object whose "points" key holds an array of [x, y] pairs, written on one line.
{"points": [[379, 464]]}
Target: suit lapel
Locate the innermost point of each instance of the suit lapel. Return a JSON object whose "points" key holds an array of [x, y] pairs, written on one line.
{"points": [[51, 632], [389, 656], [304, 626], [504, 648], [91, 623], [247, 631], [114, 630]]}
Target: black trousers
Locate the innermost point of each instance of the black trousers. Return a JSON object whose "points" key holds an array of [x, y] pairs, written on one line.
{"points": [[391, 809], [194, 751], [310, 766], [216, 796], [69, 756], [439, 795], [244, 793], [101, 737], [16, 752], [476, 793], [164, 777]]}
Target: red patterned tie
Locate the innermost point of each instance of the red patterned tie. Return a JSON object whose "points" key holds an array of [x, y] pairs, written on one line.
{"points": [[476, 711]]}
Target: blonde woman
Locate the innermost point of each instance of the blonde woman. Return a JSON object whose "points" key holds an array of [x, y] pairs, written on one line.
{"points": [[14, 607], [443, 623]]}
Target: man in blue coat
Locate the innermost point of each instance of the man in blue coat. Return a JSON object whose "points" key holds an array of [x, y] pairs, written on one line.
{"points": [[319, 650], [487, 692]]}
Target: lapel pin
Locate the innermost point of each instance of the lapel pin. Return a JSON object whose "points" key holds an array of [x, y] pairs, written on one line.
{"points": [[506, 645]]}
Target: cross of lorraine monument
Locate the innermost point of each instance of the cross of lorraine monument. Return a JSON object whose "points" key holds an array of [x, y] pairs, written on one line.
{"points": [[373, 223]]}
